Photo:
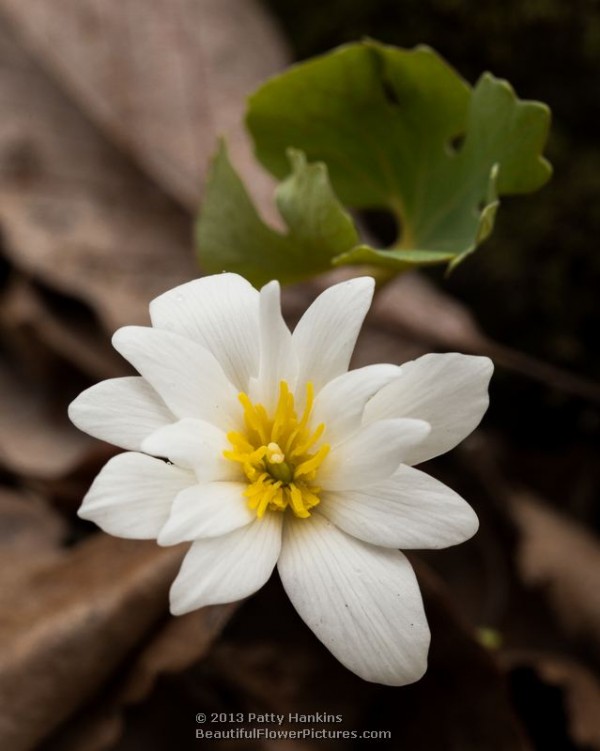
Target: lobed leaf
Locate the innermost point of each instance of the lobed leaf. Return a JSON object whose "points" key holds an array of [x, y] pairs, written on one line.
{"points": [[401, 130], [232, 236]]}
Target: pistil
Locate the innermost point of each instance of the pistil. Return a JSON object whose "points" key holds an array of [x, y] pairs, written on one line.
{"points": [[279, 478]]}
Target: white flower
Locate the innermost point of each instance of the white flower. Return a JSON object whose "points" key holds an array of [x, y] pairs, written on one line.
{"points": [[279, 456]]}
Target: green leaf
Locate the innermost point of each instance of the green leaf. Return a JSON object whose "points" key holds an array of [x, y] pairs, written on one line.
{"points": [[401, 130], [399, 260], [231, 235]]}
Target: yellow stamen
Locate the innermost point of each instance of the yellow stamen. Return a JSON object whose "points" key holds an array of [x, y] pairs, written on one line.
{"points": [[310, 466], [276, 454]]}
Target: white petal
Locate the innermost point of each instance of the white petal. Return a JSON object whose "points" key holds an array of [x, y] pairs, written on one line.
{"points": [[410, 510], [221, 313], [122, 411], [362, 602], [277, 359], [371, 455], [132, 495], [197, 445], [185, 374], [209, 510], [224, 569], [340, 404], [326, 335], [449, 391]]}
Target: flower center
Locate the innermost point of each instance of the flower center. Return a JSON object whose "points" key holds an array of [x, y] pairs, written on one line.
{"points": [[278, 454]]}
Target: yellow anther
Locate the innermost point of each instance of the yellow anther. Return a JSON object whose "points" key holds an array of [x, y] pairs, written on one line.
{"points": [[278, 477]]}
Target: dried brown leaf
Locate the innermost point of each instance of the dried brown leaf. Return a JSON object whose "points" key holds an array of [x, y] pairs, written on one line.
{"points": [[68, 623], [559, 557], [29, 327], [182, 642], [179, 644], [29, 527], [163, 79], [422, 317], [74, 618], [580, 688], [73, 212], [36, 438], [415, 306]]}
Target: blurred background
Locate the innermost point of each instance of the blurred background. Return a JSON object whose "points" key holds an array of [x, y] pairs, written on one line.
{"points": [[110, 113]]}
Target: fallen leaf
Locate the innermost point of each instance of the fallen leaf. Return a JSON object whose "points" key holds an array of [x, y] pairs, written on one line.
{"points": [[414, 308], [36, 438], [414, 305], [162, 79], [29, 527], [562, 559], [177, 645], [67, 624], [579, 689], [29, 325], [74, 214]]}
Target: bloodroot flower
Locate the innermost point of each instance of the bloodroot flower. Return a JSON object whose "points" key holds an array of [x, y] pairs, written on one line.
{"points": [[277, 455]]}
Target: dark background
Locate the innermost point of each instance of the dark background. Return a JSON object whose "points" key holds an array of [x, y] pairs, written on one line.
{"points": [[110, 113], [535, 283]]}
